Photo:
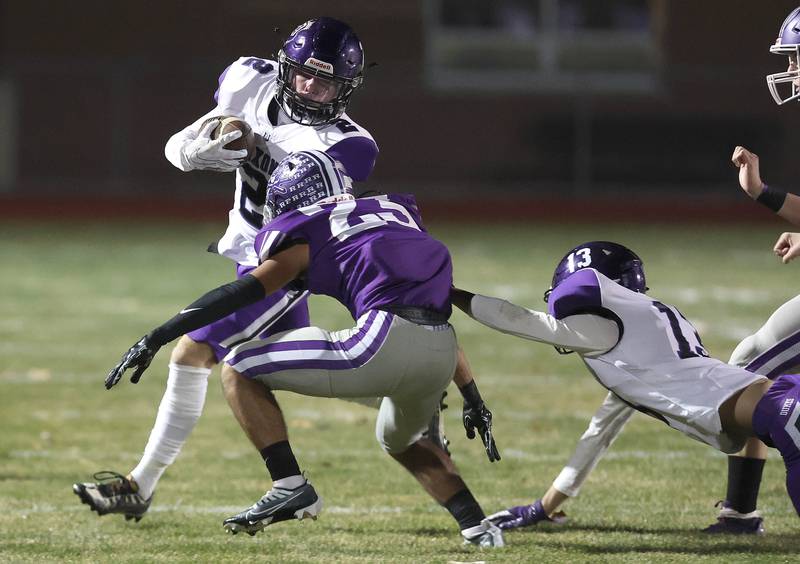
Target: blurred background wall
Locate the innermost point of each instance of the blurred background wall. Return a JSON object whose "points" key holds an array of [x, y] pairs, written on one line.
{"points": [[531, 98]]}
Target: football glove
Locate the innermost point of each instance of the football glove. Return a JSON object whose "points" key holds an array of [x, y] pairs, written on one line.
{"points": [[477, 417], [138, 357], [205, 153]]}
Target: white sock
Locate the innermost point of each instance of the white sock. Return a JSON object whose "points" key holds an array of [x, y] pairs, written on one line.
{"points": [[290, 482], [178, 413]]}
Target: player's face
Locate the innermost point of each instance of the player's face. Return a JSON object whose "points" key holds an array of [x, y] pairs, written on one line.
{"points": [[314, 88], [792, 68]]}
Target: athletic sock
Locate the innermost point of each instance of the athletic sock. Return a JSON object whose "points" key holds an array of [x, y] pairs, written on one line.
{"points": [[465, 509], [744, 480], [281, 462], [178, 413]]}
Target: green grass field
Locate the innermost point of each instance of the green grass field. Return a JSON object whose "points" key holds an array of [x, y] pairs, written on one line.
{"points": [[73, 298]]}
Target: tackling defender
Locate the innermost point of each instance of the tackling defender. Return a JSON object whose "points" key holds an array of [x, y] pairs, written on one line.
{"points": [[297, 102], [375, 257], [773, 350], [649, 357]]}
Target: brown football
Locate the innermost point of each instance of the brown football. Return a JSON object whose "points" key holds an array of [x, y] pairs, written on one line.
{"points": [[226, 124]]}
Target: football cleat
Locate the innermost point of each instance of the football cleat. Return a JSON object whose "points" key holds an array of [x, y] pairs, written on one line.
{"points": [[731, 522], [524, 516], [113, 493], [483, 535], [435, 430], [277, 505]]}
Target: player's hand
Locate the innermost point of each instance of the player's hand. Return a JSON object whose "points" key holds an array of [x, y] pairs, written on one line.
{"points": [[749, 176], [205, 153], [138, 357], [787, 247], [477, 417]]}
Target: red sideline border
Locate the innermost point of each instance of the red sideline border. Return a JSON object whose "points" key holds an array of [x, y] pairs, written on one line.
{"points": [[680, 208]]}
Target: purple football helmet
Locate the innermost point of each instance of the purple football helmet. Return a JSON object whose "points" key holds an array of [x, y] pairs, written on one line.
{"points": [[324, 48], [619, 263], [785, 86], [305, 178]]}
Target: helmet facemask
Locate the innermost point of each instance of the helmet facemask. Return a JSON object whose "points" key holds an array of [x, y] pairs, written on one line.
{"points": [[784, 85], [303, 110]]}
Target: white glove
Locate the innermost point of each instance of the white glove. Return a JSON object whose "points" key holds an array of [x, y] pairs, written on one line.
{"points": [[205, 153]]}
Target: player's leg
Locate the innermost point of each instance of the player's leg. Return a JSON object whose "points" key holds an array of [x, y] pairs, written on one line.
{"points": [[776, 421], [180, 408], [402, 423], [607, 422], [259, 415], [305, 361], [772, 350], [182, 403]]}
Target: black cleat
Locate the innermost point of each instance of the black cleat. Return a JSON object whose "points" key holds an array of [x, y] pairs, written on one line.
{"points": [[277, 505], [113, 493], [731, 522]]}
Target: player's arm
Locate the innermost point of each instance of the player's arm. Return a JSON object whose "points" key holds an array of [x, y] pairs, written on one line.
{"points": [[474, 415], [583, 333], [787, 247], [270, 276], [603, 429], [785, 204], [192, 148]]}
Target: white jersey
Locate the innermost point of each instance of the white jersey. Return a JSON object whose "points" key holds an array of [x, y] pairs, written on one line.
{"points": [[247, 90], [642, 350]]}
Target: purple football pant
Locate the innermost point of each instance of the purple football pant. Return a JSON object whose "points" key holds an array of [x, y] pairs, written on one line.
{"points": [[248, 322], [776, 422]]}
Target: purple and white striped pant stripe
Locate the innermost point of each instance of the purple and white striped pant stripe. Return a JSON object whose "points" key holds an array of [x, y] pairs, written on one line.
{"points": [[779, 358], [287, 352]]}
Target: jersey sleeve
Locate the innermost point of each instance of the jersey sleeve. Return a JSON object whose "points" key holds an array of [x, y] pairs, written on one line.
{"points": [[584, 334], [357, 155], [240, 82], [579, 293], [308, 226], [237, 83]]}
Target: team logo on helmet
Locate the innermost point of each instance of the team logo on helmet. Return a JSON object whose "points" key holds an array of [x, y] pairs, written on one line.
{"points": [[303, 179]]}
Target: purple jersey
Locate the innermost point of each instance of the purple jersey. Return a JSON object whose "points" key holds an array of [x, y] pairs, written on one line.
{"points": [[366, 253]]}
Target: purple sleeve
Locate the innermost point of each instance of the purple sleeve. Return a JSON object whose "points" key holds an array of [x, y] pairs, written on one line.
{"points": [[219, 83], [357, 155], [579, 293]]}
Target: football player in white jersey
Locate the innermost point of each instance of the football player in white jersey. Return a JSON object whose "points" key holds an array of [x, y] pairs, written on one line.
{"points": [[297, 102], [650, 358], [773, 350]]}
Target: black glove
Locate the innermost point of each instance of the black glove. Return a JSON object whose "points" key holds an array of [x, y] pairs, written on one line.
{"points": [[476, 416], [139, 356]]}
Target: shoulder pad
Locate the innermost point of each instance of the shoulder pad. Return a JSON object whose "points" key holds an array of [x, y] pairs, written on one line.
{"points": [[245, 74], [579, 293]]}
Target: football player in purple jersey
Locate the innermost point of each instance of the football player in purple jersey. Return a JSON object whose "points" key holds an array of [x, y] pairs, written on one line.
{"points": [[650, 358], [297, 102], [375, 257]]}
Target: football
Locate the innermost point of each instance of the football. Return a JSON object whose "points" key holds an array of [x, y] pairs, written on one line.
{"points": [[227, 124]]}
